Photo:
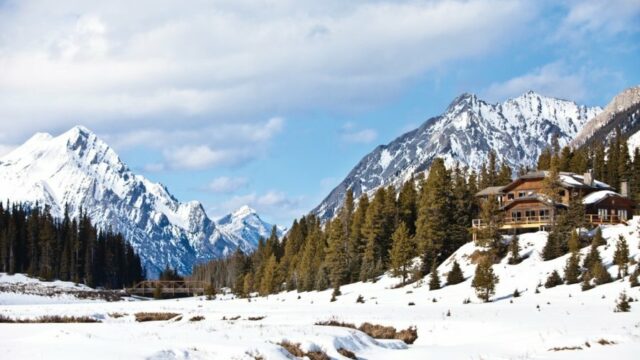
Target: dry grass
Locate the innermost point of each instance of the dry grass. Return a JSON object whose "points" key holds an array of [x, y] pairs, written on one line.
{"points": [[52, 319], [231, 318], [196, 318], [154, 316], [117, 315], [346, 353], [295, 350], [606, 342], [408, 335], [566, 348], [255, 318]]}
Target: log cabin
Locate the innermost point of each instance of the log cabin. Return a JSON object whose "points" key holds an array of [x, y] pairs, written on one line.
{"points": [[524, 207]]}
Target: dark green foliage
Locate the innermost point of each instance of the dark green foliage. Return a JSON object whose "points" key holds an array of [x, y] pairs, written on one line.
{"points": [[622, 304], [33, 242], [434, 280], [621, 256], [514, 251], [553, 280], [484, 280], [572, 269], [600, 274], [402, 252], [455, 276]]}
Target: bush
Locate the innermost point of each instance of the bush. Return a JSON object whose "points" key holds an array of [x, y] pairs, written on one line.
{"points": [[255, 318], [154, 316], [346, 353], [53, 319], [360, 299], [295, 350], [622, 305], [408, 335], [553, 280], [197, 318]]}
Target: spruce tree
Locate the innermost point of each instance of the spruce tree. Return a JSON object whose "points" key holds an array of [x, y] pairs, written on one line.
{"points": [[357, 239], [553, 280], [593, 257], [336, 259], [600, 274], [268, 282], [621, 256], [622, 304], [572, 268], [484, 280], [434, 281], [455, 276], [514, 251], [407, 206], [402, 252], [491, 220]]}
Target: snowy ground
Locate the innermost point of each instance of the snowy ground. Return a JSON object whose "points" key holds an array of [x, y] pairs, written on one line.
{"points": [[526, 327]]}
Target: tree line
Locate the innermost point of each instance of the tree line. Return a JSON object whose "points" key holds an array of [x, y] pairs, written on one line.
{"points": [[32, 241]]}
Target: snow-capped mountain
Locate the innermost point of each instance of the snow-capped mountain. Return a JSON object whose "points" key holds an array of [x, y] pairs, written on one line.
{"points": [[245, 225], [79, 170], [622, 112], [517, 129]]}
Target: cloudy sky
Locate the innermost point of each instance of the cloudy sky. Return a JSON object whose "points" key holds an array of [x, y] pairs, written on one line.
{"points": [[271, 102]]}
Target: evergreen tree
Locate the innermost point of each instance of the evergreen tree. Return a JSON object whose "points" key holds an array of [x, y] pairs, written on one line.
{"points": [[553, 280], [566, 156], [434, 281], [336, 259], [484, 280], [572, 268], [544, 160], [402, 252], [622, 304], [514, 251], [600, 274], [357, 239], [455, 276], [504, 175], [593, 257], [433, 228], [407, 206], [491, 221], [621, 256], [268, 282]]}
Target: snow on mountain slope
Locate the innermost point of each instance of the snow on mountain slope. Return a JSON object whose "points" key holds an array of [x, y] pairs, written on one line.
{"points": [[78, 170], [245, 225], [517, 129], [622, 112]]}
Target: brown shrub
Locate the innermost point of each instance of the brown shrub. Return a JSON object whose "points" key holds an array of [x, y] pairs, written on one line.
{"points": [[317, 355], [231, 318], [336, 322], [255, 318], [346, 353], [53, 319], [292, 348], [564, 348], [154, 316], [408, 335], [117, 315], [606, 342], [196, 318], [378, 331]]}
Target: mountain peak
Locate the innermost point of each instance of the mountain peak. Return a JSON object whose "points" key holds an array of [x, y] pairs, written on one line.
{"points": [[244, 211]]}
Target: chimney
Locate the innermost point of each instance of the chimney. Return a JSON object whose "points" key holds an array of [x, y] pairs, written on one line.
{"points": [[624, 189], [588, 178]]}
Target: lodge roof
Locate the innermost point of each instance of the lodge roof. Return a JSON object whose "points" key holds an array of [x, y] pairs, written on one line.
{"points": [[567, 180]]}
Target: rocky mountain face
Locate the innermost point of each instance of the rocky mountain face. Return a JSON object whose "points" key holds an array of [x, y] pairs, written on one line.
{"points": [[517, 129], [622, 112], [79, 171]]}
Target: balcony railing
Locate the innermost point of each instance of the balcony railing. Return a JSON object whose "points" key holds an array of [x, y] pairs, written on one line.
{"points": [[523, 221]]}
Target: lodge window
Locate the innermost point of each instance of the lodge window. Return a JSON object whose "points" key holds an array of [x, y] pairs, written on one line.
{"points": [[530, 213], [516, 214], [561, 193], [622, 214], [510, 196], [544, 213], [522, 194], [602, 214]]}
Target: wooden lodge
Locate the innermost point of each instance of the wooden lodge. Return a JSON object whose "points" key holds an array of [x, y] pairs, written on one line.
{"points": [[524, 207]]}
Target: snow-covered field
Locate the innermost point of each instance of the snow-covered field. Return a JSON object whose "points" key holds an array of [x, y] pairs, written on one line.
{"points": [[527, 327]]}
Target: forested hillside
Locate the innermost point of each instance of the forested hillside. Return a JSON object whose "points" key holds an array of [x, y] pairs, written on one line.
{"points": [[35, 243], [428, 218]]}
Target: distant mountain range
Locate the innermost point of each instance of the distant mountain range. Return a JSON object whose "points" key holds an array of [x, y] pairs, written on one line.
{"points": [[517, 129], [79, 170]]}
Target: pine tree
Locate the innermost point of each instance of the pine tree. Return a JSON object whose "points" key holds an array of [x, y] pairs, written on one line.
{"points": [[572, 268], [544, 160], [504, 175], [357, 240], [433, 228], [514, 251], [484, 280], [622, 304], [455, 276], [553, 280], [491, 219], [600, 274], [434, 281], [462, 212], [336, 259], [593, 257], [621, 256], [268, 281], [402, 252], [407, 206], [375, 231]]}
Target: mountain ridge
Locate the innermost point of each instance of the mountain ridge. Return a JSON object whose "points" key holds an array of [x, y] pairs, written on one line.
{"points": [[517, 129], [79, 170]]}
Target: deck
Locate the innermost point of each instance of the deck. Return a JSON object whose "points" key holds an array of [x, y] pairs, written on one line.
{"points": [[536, 222]]}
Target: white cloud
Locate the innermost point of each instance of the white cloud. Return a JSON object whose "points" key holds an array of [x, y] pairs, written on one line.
{"points": [[553, 79], [211, 63], [199, 157], [587, 19], [363, 136], [226, 185], [154, 167]]}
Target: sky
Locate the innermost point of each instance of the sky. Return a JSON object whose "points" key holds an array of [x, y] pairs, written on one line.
{"points": [[270, 103]]}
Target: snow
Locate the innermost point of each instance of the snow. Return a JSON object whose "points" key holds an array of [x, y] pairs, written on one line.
{"points": [[79, 169], [597, 196], [526, 327]]}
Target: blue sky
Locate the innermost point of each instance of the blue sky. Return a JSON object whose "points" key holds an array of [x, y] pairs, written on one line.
{"points": [[270, 103]]}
